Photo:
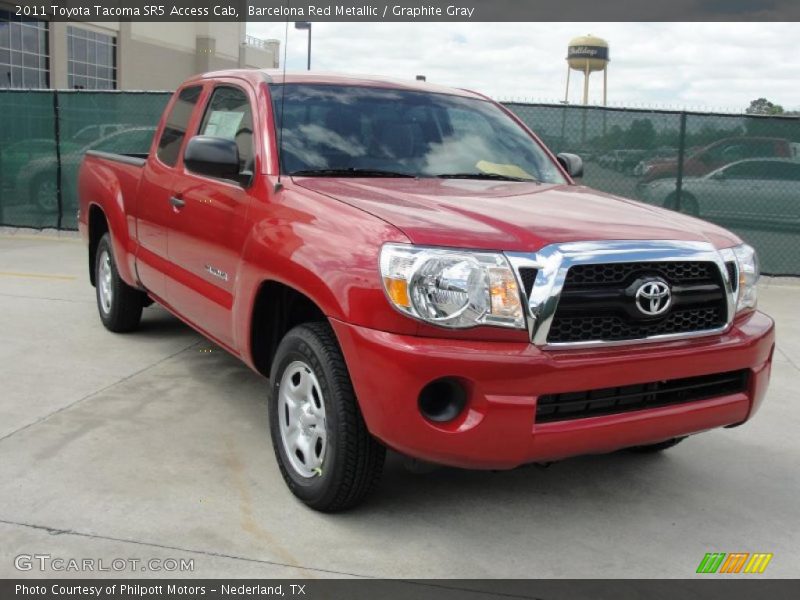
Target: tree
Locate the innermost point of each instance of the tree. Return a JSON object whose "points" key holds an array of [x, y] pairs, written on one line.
{"points": [[762, 106], [641, 134]]}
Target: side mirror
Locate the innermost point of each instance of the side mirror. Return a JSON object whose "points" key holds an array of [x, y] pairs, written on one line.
{"points": [[212, 156], [572, 163]]}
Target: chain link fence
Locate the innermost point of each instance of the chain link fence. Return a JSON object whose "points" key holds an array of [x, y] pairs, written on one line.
{"points": [[43, 136], [742, 172]]}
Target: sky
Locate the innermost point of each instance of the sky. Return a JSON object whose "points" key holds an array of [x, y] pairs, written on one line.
{"points": [[716, 66]]}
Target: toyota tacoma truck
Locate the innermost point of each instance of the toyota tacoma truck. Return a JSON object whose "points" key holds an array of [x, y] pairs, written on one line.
{"points": [[411, 268]]}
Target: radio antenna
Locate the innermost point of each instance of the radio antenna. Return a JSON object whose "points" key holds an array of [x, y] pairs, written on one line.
{"points": [[279, 185]]}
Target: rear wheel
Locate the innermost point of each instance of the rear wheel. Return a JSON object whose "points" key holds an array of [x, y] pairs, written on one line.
{"points": [[689, 205], [120, 305], [45, 194], [661, 446], [326, 455]]}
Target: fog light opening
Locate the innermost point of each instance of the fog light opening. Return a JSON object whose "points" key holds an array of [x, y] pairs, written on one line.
{"points": [[442, 400]]}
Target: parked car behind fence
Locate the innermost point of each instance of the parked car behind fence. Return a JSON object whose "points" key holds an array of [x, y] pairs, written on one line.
{"points": [[753, 191]]}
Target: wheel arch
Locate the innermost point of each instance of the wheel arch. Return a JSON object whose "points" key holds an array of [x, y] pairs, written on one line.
{"points": [[98, 226], [277, 307]]}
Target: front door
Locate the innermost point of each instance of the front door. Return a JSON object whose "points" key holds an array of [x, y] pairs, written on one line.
{"points": [[208, 235]]}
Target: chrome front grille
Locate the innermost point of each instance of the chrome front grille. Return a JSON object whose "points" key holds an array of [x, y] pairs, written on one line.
{"points": [[586, 293], [619, 273], [597, 301], [612, 328]]}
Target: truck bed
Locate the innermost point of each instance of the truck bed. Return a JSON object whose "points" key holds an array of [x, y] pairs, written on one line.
{"points": [[134, 158]]}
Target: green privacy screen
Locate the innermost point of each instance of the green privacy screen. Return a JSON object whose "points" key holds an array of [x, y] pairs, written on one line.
{"points": [[109, 122], [742, 172], [27, 138], [44, 134]]}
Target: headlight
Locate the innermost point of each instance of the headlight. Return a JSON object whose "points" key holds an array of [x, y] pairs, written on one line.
{"points": [[747, 263], [452, 288]]}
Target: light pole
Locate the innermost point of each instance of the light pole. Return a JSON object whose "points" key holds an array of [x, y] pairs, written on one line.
{"points": [[306, 25]]}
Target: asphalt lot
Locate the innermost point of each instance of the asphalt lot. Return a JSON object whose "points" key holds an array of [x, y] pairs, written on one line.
{"points": [[155, 445]]}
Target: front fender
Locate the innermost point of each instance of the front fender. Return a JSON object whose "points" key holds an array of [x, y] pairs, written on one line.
{"points": [[322, 248]]}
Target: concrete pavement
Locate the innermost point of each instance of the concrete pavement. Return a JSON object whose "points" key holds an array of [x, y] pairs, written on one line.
{"points": [[156, 445]]}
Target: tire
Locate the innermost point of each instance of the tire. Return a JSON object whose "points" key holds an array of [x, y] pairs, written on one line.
{"points": [[120, 305], [660, 447], [689, 205], [326, 456], [45, 194]]}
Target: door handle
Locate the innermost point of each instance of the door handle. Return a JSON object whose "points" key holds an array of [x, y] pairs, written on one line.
{"points": [[177, 202]]}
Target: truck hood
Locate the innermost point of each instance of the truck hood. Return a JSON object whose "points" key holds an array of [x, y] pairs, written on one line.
{"points": [[513, 216]]}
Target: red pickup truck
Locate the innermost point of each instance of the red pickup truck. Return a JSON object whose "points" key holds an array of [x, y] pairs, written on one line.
{"points": [[412, 268]]}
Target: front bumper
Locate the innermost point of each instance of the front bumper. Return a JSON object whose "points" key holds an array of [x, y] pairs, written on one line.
{"points": [[498, 428]]}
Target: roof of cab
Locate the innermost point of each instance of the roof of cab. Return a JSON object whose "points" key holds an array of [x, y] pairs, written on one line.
{"points": [[312, 77]]}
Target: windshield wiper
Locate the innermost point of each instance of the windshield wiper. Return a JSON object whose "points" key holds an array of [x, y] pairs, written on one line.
{"points": [[494, 176], [349, 172]]}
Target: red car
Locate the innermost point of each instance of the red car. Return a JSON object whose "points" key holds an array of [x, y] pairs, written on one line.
{"points": [[411, 268], [720, 153]]}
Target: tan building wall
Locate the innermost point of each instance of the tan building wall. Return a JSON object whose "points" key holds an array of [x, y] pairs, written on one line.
{"points": [[159, 56]]}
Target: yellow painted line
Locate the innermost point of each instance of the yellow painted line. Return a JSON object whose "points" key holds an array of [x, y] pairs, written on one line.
{"points": [[44, 238], [37, 275]]}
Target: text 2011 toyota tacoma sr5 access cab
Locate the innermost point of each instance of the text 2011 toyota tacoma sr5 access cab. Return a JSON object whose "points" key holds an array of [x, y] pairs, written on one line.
{"points": [[413, 269]]}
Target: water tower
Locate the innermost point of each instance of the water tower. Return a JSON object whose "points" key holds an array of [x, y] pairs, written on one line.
{"points": [[587, 54]]}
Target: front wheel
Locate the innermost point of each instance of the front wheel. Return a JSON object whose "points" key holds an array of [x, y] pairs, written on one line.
{"points": [[326, 455], [689, 204], [120, 305]]}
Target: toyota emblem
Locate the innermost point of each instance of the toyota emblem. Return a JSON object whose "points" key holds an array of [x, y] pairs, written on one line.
{"points": [[653, 297]]}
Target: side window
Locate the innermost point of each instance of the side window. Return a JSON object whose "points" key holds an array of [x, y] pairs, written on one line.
{"points": [[130, 141], [733, 152], [86, 135], [740, 171], [229, 116], [760, 149], [783, 171], [169, 146]]}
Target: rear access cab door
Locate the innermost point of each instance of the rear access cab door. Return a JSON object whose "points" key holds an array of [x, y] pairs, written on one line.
{"points": [[155, 211]]}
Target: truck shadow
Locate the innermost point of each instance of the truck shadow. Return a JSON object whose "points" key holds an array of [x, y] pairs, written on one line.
{"points": [[572, 482], [159, 322]]}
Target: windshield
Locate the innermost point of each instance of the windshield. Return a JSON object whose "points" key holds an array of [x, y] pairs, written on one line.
{"points": [[371, 132]]}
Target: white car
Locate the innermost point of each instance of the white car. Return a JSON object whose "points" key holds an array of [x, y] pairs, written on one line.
{"points": [[756, 189]]}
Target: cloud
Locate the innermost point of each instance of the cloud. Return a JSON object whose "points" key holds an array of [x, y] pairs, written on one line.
{"points": [[697, 65]]}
